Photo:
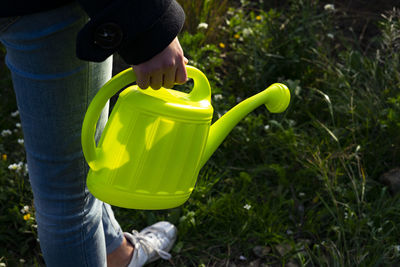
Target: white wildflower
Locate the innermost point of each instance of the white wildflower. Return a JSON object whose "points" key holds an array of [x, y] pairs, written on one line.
{"points": [[13, 167], [15, 113], [16, 166], [266, 127], [242, 258], [247, 32], [18, 125], [25, 209], [291, 123], [247, 207], [218, 97], [20, 141], [6, 132], [330, 36], [2, 264], [202, 25], [21, 260], [329, 7], [301, 194]]}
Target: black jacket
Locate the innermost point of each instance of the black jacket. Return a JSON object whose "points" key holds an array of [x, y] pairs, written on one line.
{"points": [[136, 29]]}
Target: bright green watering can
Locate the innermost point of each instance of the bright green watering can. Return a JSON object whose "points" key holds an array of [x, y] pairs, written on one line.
{"points": [[156, 141]]}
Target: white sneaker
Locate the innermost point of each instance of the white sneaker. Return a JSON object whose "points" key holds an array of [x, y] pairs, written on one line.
{"points": [[152, 243]]}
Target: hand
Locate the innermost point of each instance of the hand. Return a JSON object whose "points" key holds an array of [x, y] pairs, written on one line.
{"points": [[165, 69]]}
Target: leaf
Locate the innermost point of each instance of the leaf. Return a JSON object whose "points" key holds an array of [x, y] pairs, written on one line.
{"points": [[329, 131]]}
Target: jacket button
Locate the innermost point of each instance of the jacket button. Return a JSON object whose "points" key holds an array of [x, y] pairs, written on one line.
{"points": [[108, 35]]}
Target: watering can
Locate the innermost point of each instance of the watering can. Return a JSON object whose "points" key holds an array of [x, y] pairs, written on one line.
{"points": [[156, 141]]}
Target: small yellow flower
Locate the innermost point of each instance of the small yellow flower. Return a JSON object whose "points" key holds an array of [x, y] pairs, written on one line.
{"points": [[236, 36], [4, 157], [258, 17], [27, 216], [222, 45]]}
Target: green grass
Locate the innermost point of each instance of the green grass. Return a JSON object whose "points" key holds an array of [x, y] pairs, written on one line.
{"points": [[302, 187]]}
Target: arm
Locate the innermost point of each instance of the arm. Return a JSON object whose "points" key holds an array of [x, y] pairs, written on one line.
{"points": [[143, 32]]}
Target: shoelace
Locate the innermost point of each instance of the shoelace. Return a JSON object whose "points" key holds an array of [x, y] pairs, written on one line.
{"points": [[143, 240]]}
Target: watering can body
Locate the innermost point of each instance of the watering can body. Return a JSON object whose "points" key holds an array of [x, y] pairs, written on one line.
{"points": [[155, 141]]}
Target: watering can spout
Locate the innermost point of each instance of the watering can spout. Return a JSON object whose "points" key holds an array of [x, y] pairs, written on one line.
{"points": [[276, 98]]}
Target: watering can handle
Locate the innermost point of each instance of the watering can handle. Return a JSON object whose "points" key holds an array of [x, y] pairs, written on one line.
{"points": [[201, 91]]}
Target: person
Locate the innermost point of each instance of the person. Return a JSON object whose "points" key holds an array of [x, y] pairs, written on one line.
{"points": [[59, 54]]}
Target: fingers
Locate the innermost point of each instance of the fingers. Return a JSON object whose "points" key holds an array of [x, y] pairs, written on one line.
{"points": [[142, 78], [169, 78], [156, 80]]}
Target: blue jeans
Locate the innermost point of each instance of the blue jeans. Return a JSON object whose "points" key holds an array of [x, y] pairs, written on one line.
{"points": [[53, 89]]}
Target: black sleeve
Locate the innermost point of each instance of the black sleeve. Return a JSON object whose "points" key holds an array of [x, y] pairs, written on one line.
{"points": [[136, 29]]}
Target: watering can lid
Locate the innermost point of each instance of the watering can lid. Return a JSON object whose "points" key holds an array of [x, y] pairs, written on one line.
{"points": [[168, 102]]}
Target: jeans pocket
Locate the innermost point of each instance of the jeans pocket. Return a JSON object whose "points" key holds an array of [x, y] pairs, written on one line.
{"points": [[6, 22]]}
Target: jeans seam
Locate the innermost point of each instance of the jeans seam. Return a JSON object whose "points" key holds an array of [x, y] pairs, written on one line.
{"points": [[118, 230]]}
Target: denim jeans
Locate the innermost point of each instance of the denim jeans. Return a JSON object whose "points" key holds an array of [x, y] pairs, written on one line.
{"points": [[53, 89]]}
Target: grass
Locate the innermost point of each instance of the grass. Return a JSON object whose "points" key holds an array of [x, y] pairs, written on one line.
{"points": [[299, 188]]}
